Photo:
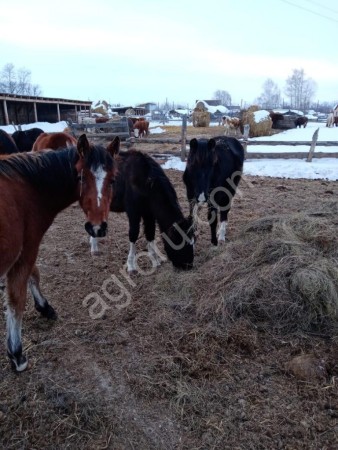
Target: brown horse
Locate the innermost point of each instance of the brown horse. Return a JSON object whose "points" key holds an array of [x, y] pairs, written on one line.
{"points": [[142, 127], [54, 141], [34, 188]]}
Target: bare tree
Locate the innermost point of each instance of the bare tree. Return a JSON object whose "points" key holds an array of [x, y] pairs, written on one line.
{"points": [[270, 97], [8, 79], [300, 90], [223, 96], [17, 81]]}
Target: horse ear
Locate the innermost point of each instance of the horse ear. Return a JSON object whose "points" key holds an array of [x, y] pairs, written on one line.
{"points": [[212, 148], [83, 147], [211, 144], [193, 144], [114, 146]]}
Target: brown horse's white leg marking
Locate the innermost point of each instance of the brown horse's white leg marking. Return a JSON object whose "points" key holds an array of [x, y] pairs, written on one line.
{"points": [[94, 245], [14, 346]]}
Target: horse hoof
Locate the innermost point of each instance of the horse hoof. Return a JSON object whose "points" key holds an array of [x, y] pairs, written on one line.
{"points": [[132, 272], [96, 253], [19, 363], [47, 311]]}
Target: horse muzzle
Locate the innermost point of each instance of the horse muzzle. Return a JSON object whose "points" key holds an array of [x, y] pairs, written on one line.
{"points": [[96, 230]]}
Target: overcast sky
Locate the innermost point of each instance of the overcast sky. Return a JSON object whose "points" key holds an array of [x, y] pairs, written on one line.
{"points": [[131, 52]]}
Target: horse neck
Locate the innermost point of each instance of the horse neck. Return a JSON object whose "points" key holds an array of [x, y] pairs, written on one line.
{"points": [[165, 210], [56, 185]]}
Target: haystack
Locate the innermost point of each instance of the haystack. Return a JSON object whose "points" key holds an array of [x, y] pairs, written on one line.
{"points": [[200, 115], [130, 112], [100, 107], [259, 120]]}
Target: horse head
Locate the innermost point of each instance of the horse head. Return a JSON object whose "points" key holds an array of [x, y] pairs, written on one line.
{"points": [[179, 243], [96, 174]]}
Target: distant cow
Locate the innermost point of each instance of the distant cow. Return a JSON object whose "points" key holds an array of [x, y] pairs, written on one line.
{"points": [[213, 172], [143, 128], [231, 124], [25, 139], [301, 121], [276, 117]]}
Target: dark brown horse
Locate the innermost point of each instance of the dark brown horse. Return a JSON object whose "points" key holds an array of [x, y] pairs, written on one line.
{"points": [[301, 121], [145, 193], [25, 139], [34, 188], [7, 144]]}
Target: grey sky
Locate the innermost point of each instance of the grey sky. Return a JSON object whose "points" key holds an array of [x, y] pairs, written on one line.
{"points": [[130, 52]]}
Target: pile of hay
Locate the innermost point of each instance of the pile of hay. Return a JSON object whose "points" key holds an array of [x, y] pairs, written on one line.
{"points": [[280, 274], [100, 107], [130, 112], [200, 119], [259, 120]]}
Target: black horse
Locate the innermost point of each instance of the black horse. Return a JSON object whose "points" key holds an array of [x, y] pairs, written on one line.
{"points": [[7, 144], [301, 121], [25, 139], [213, 172], [144, 192]]}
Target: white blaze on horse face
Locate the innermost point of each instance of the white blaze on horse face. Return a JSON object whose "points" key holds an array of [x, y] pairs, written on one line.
{"points": [[99, 175]]}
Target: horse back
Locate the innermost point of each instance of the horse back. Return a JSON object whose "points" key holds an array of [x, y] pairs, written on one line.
{"points": [[7, 144]]}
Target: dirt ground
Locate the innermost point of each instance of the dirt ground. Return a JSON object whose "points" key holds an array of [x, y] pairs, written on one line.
{"points": [[139, 370]]}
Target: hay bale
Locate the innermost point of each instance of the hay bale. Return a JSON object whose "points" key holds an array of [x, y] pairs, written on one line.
{"points": [[259, 120], [130, 112], [200, 118]]}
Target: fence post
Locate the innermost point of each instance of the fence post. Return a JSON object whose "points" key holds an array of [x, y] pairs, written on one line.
{"points": [[184, 137], [313, 145], [245, 138]]}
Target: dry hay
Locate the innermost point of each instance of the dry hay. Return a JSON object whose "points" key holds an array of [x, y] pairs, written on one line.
{"points": [[200, 118], [262, 128], [280, 274]]}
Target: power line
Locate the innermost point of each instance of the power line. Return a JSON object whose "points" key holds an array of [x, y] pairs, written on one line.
{"points": [[323, 6], [310, 10]]}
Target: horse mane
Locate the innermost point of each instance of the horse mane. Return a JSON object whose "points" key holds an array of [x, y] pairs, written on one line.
{"points": [[158, 181], [50, 168]]}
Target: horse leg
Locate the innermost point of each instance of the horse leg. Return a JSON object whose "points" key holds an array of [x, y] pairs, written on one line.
{"points": [[17, 279], [221, 233], [40, 302], [94, 246], [212, 219], [134, 231], [149, 231]]}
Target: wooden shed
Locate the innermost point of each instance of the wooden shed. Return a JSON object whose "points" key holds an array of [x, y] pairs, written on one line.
{"points": [[19, 109]]}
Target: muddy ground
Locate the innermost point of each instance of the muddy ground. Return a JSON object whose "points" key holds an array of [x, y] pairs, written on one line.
{"points": [[145, 373]]}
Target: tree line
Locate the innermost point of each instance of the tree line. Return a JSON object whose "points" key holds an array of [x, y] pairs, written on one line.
{"points": [[299, 90]]}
